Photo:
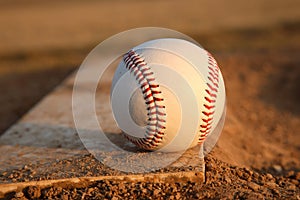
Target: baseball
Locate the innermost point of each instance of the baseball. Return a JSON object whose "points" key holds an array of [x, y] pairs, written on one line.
{"points": [[167, 95]]}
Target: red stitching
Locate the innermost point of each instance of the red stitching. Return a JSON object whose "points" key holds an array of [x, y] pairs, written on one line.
{"points": [[160, 126], [207, 120], [213, 82], [151, 130], [135, 72], [212, 90], [206, 125], [148, 96], [152, 95], [143, 70], [139, 77], [156, 140], [146, 90], [158, 106], [150, 79], [209, 92], [207, 129], [209, 100], [209, 107], [148, 74], [156, 118], [213, 76], [208, 113], [151, 101], [214, 71], [143, 85], [157, 113], [158, 99], [135, 60], [160, 134]]}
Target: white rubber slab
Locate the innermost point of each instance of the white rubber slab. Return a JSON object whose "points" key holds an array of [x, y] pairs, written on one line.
{"points": [[47, 131]]}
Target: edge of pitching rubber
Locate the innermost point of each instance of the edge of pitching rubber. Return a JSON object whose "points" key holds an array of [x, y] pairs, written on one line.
{"points": [[6, 188]]}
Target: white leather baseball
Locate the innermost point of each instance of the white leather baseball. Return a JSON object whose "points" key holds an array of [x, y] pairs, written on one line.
{"points": [[167, 95]]}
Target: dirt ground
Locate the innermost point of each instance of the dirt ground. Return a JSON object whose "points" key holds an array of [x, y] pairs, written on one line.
{"points": [[257, 46], [223, 181]]}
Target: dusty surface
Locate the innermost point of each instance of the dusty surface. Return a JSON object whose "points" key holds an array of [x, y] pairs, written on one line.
{"points": [[222, 181], [257, 45]]}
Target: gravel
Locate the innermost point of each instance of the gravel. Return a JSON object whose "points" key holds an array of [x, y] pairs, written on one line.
{"points": [[223, 181]]}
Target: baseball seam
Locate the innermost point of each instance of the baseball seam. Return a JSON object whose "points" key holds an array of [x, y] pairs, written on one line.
{"points": [[210, 98], [156, 123]]}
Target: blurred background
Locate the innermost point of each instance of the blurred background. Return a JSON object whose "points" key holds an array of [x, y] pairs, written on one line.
{"points": [[257, 45]]}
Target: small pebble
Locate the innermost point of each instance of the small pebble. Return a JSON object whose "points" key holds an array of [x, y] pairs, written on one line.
{"points": [[277, 168], [178, 195], [269, 176], [19, 194], [275, 191], [291, 187], [295, 182], [227, 179], [156, 192], [298, 176], [255, 187], [271, 185], [290, 174]]}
